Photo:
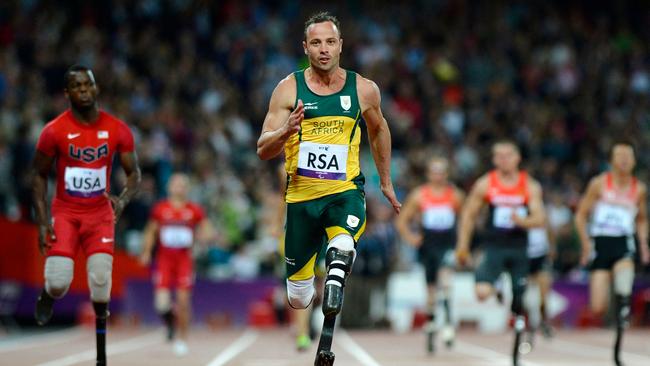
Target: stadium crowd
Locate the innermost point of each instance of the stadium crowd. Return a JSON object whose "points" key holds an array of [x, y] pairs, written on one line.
{"points": [[193, 80]]}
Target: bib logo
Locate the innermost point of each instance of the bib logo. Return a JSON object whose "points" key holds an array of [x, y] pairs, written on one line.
{"points": [[346, 102], [88, 154]]}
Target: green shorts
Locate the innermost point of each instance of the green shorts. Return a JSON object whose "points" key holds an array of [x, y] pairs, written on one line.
{"points": [[311, 224]]}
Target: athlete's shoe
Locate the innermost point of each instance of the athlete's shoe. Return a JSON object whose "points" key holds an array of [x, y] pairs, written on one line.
{"points": [[43, 311], [180, 348], [303, 342], [448, 335]]}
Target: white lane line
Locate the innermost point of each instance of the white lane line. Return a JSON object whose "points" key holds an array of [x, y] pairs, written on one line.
{"points": [[124, 346], [353, 348], [586, 349], [244, 341], [49, 338], [488, 354], [269, 362]]}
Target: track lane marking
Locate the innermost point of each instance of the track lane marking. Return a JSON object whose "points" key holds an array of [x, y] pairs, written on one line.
{"points": [[49, 338], [238, 346], [346, 342], [126, 345]]}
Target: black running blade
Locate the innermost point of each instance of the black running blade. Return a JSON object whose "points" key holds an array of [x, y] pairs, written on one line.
{"points": [[515, 350], [326, 335], [617, 346]]}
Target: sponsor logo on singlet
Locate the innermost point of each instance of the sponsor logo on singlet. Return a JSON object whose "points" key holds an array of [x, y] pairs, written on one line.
{"points": [[311, 106]]}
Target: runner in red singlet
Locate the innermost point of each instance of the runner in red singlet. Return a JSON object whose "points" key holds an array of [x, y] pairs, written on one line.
{"points": [[435, 206], [175, 224], [82, 141], [615, 205]]}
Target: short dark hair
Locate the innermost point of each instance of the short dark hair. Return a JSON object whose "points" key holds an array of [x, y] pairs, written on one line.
{"points": [[72, 69], [506, 141], [321, 17], [621, 142]]}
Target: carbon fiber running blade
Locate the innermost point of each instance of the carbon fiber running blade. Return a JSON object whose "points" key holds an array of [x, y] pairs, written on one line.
{"points": [[326, 335], [515, 349], [324, 357], [617, 346]]}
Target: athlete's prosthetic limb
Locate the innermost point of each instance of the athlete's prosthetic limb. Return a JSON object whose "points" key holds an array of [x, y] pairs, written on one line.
{"points": [[101, 314], [58, 276], [532, 304], [448, 332], [163, 305], [339, 259], [100, 268], [431, 328], [623, 281], [517, 307]]}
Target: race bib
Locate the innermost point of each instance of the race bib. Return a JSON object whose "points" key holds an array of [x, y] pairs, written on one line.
{"points": [[502, 218], [323, 161], [613, 220], [85, 182], [438, 218], [537, 242], [176, 236]]}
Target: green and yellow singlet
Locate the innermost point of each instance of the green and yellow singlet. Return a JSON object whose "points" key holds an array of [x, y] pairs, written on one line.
{"points": [[323, 157]]}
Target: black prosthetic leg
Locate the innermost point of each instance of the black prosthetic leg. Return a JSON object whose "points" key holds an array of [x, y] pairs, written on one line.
{"points": [[339, 264], [101, 314]]}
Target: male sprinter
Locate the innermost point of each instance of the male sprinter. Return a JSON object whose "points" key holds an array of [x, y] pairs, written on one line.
{"points": [[515, 202], [314, 116], [82, 141], [616, 203], [435, 206], [173, 223]]}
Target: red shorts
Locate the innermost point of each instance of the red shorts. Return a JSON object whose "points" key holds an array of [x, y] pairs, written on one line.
{"points": [[92, 229], [174, 268]]}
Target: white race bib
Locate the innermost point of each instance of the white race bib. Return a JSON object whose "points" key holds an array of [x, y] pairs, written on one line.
{"points": [[502, 218], [537, 242], [438, 218], [323, 161], [176, 236], [612, 220], [85, 182]]}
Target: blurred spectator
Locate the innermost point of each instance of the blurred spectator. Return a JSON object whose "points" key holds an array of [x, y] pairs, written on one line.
{"points": [[193, 80]]}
